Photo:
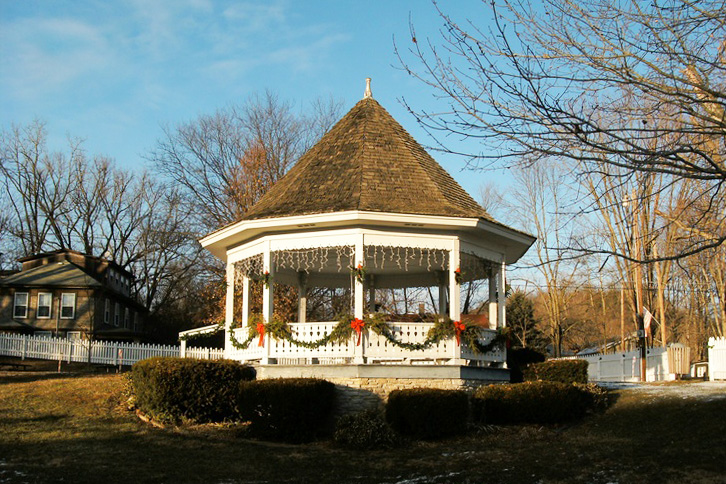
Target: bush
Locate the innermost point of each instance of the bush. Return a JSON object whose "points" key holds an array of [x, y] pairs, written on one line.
{"points": [[536, 402], [427, 413], [519, 358], [365, 430], [175, 390], [596, 397], [563, 371], [288, 409]]}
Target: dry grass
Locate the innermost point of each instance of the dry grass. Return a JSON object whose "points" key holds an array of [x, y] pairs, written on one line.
{"points": [[72, 429]]}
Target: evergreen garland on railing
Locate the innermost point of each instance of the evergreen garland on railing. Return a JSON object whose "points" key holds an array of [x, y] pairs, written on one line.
{"points": [[443, 328]]}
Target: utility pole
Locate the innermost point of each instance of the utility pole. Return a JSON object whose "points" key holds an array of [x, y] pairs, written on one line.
{"points": [[635, 253]]}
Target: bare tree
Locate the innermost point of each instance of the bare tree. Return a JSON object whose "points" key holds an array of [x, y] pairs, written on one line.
{"points": [[226, 161], [632, 87], [67, 200], [541, 195]]}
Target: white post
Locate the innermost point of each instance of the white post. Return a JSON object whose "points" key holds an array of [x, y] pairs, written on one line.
{"points": [[245, 300], [25, 346], [359, 258], [228, 310], [371, 293], [493, 313], [454, 297], [502, 303], [183, 349], [302, 296], [267, 301], [442, 292], [501, 296]]}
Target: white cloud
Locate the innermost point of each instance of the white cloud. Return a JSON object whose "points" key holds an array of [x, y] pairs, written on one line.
{"points": [[45, 55]]}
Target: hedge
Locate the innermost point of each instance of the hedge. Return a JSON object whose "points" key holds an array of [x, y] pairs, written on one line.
{"points": [[428, 413], [365, 431], [287, 409], [564, 371], [175, 390], [519, 358], [536, 402]]}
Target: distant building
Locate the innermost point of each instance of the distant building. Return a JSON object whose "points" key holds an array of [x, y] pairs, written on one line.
{"points": [[69, 294]]}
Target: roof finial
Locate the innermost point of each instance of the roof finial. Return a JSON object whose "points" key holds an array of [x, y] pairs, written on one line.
{"points": [[368, 92]]}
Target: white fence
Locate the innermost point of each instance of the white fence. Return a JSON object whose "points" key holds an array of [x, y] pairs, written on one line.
{"points": [[625, 367], [103, 352], [717, 358]]}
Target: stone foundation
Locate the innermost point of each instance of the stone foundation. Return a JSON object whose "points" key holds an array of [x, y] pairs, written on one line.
{"points": [[363, 387]]}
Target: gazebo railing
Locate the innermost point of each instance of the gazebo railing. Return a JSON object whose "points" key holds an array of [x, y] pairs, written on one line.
{"points": [[375, 348]]}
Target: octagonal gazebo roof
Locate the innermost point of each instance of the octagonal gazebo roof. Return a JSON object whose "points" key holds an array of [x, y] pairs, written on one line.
{"points": [[367, 162], [367, 171]]}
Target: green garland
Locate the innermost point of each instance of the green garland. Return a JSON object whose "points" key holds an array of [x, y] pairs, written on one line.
{"points": [[442, 329]]}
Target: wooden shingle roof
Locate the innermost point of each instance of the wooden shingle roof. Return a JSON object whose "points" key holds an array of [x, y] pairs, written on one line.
{"points": [[367, 162]]}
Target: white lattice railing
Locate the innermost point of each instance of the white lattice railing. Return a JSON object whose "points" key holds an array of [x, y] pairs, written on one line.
{"points": [[102, 352], [373, 348]]}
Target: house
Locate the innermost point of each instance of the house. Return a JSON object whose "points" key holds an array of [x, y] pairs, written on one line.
{"points": [[69, 294], [368, 209]]}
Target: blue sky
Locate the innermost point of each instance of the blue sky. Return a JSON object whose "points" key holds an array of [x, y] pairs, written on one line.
{"points": [[115, 72]]}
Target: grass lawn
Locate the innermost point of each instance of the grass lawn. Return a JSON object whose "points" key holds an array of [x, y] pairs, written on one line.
{"points": [[71, 428]]}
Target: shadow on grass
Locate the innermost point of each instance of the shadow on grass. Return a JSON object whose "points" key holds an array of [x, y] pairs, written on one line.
{"points": [[35, 376]]}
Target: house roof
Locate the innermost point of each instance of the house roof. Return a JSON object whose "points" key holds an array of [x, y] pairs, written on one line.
{"points": [[60, 274], [367, 162]]}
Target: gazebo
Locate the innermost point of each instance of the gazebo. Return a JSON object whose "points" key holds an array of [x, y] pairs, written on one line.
{"points": [[368, 209]]}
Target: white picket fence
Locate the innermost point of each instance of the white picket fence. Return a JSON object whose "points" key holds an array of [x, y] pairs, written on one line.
{"points": [[717, 358], [102, 352], [625, 367]]}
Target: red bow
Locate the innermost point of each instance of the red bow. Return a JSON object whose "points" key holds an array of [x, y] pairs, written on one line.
{"points": [[357, 325], [459, 327], [261, 330]]}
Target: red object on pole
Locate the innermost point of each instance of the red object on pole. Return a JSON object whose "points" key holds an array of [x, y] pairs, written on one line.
{"points": [[459, 327], [357, 324], [261, 331]]}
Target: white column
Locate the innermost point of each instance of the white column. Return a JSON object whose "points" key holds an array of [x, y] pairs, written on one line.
{"points": [[454, 288], [454, 297], [267, 300], [245, 300], [502, 297], [442, 292], [371, 293], [359, 258], [302, 297], [493, 314], [229, 310]]}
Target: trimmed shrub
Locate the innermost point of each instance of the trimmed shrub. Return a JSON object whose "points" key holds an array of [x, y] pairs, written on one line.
{"points": [[518, 359], [365, 430], [596, 397], [536, 402], [428, 413], [563, 371], [287, 409], [175, 390]]}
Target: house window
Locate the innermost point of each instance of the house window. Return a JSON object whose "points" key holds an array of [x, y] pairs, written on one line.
{"points": [[127, 318], [21, 305], [45, 302], [107, 312], [116, 314], [68, 305], [73, 335], [43, 334]]}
